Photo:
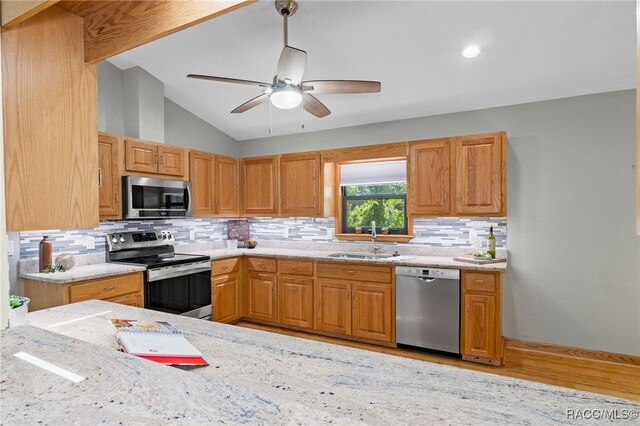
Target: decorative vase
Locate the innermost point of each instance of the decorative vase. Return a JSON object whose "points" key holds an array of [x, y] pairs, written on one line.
{"points": [[65, 261], [45, 255]]}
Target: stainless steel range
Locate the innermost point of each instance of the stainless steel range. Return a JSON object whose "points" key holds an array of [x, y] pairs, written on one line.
{"points": [[174, 283]]}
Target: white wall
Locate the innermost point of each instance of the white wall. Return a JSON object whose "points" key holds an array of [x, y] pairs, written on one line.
{"points": [[574, 259]]}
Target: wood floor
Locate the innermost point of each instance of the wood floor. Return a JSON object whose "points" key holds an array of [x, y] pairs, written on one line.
{"points": [[569, 379]]}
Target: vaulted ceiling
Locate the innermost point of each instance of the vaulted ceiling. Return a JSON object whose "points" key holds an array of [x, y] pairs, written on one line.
{"points": [[532, 51]]}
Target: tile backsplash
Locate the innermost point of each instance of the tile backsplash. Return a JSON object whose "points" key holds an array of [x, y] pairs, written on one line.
{"points": [[433, 232]]}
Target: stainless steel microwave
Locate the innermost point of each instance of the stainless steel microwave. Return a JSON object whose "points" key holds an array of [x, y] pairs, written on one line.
{"points": [[148, 198]]}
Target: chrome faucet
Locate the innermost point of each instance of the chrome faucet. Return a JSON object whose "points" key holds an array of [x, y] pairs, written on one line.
{"points": [[374, 248]]}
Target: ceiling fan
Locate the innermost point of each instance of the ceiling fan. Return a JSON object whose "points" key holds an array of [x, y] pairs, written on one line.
{"points": [[288, 90]]}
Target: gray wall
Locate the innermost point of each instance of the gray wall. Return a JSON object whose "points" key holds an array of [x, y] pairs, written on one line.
{"points": [[185, 129], [574, 259], [165, 120]]}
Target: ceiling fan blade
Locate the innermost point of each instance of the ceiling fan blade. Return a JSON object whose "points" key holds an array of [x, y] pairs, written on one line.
{"points": [[314, 106], [229, 80], [342, 86], [292, 64], [251, 103]]}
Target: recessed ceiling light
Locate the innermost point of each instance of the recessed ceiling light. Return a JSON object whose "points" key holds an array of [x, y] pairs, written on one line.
{"points": [[471, 51]]}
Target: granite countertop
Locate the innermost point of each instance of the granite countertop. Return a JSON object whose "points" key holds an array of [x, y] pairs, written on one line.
{"points": [[84, 272], [254, 377], [404, 260]]}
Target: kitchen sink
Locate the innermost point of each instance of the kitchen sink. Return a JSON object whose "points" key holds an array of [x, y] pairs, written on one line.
{"points": [[361, 256]]}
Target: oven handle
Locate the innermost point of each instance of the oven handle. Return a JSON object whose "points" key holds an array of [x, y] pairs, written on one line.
{"points": [[177, 270]]}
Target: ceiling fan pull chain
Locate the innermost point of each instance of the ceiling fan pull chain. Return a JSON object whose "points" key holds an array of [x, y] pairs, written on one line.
{"points": [[269, 117], [301, 118]]}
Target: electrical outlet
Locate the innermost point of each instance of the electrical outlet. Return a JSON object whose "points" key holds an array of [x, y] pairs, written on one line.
{"points": [[192, 234], [90, 242], [285, 232], [10, 248]]}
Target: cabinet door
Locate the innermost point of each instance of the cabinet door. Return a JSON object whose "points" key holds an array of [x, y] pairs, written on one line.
{"points": [[109, 176], [262, 296], [295, 301], [201, 171], [479, 325], [300, 184], [429, 179], [227, 188], [372, 311], [225, 298], [140, 156], [479, 175], [259, 185], [171, 160], [333, 306]]}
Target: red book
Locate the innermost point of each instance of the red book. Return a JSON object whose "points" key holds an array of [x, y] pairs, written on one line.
{"points": [[156, 341]]}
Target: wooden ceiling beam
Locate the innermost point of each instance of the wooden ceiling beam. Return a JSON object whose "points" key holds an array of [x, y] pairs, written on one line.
{"points": [[122, 25], [13, 12]]}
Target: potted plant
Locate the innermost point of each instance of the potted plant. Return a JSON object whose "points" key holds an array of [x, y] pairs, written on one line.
{"points": [[358, 229], [18, 313], [385, 230]]}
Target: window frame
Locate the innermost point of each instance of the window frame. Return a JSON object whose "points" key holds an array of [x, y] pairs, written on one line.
{"points": [[392, 231]]}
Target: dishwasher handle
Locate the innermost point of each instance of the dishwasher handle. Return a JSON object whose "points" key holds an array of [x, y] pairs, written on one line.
{"points": [[427, 279]]}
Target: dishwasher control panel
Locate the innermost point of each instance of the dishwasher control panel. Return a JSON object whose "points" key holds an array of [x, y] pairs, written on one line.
{"points": [[412, 271]]}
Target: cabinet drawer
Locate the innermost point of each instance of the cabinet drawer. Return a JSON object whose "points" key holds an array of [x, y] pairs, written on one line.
{"points": [[351, 272], [133, 299], [224, 266], [262, 264], [106, 288], [478, 281], [295, 267]]}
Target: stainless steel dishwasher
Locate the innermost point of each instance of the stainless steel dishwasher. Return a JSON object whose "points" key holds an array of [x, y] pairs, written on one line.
{"points": [[428, 308]]}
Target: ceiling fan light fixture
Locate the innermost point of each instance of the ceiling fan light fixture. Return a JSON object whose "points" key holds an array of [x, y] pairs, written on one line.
{"points": [[285, 97], [471, 51]]}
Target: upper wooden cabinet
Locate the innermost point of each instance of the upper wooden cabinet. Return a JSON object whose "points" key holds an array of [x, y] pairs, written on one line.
{"points": [[429, 177], [226, 197], [50, 102], [301, 184], [201, 170], [458, 176], [109, 182], [480, 178], [260, 185], [149, 157]]}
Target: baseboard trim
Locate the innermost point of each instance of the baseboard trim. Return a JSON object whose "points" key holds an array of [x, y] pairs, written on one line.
{"points": [[576, 368]]}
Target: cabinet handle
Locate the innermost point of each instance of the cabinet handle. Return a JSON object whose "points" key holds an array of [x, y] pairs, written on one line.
{"points": [[161, 159], [348, 294], [110, 288], [225, 267], [116, 196], [100, 177], [349, 272], [155, 159], [479, 281], [468, 306], [295, 267]]}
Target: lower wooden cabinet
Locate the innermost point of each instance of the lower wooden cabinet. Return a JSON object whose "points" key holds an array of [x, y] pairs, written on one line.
{"points": [[225, 294], [481, 337], [371, 316], [295, 301], [262, 296], [333, 306], [125, 289]]}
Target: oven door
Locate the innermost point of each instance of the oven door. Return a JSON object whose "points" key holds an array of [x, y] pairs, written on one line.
{"points": [[180, 289], [147, 198]]}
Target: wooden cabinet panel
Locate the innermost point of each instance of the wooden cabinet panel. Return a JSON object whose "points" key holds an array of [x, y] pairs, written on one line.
{"points": [[224, 266], [227, 187], [295, 267], [348, 271], [301, 184], [479, 174], [171, 160], [481, 317], [429, 178], [50, 132], [295, 301], [259, 185], [140, 156], [225, 297], [132, 299], [262, 296], [479, 311], [371, 311], [263, 264], [109, 179], [333, 306], [105, 288], [201, 171]]}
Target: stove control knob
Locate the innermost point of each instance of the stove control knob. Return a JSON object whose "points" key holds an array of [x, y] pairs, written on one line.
{"points": [[169, 235], [114, 240], [163, 236], [122, 240]]}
